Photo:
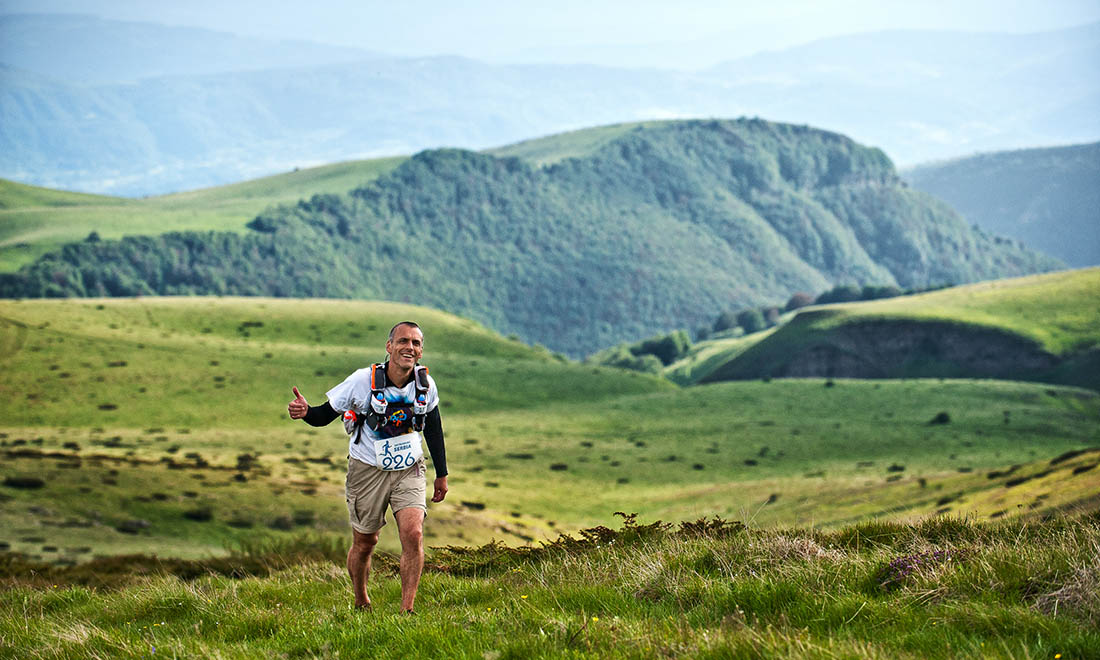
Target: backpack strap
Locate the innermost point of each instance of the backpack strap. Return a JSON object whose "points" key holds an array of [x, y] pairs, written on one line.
{"points": [[379, 407], [420, 397]]}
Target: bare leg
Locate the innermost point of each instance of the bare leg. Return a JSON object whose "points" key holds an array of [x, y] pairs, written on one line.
{"points": [[410, 526], [362, 545]]}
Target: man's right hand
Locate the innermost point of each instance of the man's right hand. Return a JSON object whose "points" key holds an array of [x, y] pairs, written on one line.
{"points": [[299, 406]]}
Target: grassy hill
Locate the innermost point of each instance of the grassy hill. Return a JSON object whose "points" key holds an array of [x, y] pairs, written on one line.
{"points": [[649, 227], [159, 425], [1048, 198], [1043, 327], [35, 221]]}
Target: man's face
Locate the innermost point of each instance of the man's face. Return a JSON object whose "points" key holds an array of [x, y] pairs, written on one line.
{"points": [[406, 347]]}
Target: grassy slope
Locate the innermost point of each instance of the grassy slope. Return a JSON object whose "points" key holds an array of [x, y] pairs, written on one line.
{"points": [[161, 397], [34, 221], [158, 379], [1059, 311], [941, 589], [574, 144], [706, 356]]}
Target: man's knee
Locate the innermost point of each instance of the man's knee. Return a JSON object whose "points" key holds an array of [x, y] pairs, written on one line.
{"points": [[410, 526], [412, 537], [363, 543]]}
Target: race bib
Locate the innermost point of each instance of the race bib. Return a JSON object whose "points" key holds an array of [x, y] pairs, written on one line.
{"points": [[399, 452]]}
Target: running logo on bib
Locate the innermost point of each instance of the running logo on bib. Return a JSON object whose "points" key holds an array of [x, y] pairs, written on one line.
{"points": [[399, 452]]}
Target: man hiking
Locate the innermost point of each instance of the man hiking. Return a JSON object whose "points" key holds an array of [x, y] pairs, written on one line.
{"points": [[385, 409]]}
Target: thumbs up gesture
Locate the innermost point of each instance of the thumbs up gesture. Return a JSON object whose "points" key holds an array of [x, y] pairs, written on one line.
{"points": [[299, 406]]}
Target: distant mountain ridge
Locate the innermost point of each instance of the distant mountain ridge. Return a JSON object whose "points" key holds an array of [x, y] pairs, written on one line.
{"points": [[918, 95], [84, 49], [1047, 198], [657, 226]]}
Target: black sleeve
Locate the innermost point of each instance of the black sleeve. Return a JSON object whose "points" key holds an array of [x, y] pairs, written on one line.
{"points": [[433, 433], [320, 415]]}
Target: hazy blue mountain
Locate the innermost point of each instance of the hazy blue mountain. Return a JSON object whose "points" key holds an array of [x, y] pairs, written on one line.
{"points": [[623, 232], [1047, 198], [89, 50], [918, 95], [179, 132]]}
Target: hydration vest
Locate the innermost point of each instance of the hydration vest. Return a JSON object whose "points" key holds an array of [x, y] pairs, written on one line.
{"points": [[378, 412]]}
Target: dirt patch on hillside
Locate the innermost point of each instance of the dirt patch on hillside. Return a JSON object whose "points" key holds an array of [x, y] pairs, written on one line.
{"points": [[896, 349]]}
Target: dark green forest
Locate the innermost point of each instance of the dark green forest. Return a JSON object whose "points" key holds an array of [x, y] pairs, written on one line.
{"points": [[662, 228]]}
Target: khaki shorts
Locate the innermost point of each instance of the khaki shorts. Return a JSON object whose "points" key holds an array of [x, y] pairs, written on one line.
{"points": [[369, 491]]}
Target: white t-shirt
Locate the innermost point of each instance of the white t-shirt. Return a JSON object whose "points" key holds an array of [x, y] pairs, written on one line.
{"points": [[354, 394]]}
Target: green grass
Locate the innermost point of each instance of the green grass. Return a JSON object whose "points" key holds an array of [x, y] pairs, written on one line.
{"points": [[140, 409], [706, 356], [574, 144], [17, 195], [937, 589], [34, 221]]}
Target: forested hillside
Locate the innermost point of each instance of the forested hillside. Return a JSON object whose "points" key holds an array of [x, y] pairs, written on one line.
{"points": [[1047, 198], [661, 226]]}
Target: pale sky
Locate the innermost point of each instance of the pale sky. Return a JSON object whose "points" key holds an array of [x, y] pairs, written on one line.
{"points": [[609, 31]]}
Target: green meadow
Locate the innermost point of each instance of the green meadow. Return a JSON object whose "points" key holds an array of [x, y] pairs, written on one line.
{"points": [[159, 425], [34, 221], [156, 500]]}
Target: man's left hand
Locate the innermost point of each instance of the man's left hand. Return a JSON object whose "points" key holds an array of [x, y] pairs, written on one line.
{"points": [[440, 489]]}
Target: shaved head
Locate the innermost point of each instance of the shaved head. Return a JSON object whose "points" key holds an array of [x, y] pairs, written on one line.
{"points": [[411, 324]]}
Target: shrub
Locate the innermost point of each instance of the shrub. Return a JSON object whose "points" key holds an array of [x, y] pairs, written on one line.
{"points": [[751, 320], [283, 523], [879, 292], [839, 294], [201, 514], [304, 517], [667, 348], [132, 526], [798, 301], [28, 483], [725, 321], [940, 418]]}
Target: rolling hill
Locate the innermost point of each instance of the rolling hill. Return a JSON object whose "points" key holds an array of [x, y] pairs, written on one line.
{"points": [[1047, 198], [35, 221], [622, 232], [1043, 328]]}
